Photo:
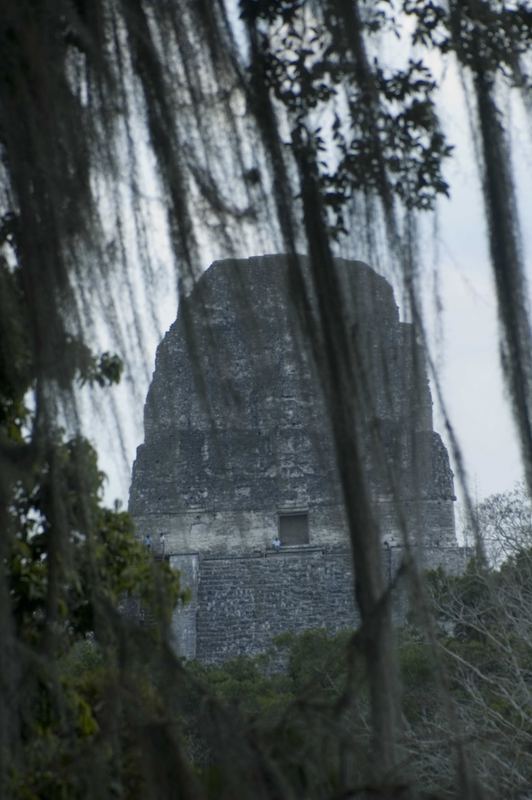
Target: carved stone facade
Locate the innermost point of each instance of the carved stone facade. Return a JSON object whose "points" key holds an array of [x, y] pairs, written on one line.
{"points": [[238, 454]]}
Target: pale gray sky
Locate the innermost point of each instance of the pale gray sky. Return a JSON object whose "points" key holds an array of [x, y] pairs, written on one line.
{"points": [[470, 364]]}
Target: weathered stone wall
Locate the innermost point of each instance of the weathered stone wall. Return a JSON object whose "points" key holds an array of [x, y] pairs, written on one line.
{"points": [[240, 603], [243, 603]]}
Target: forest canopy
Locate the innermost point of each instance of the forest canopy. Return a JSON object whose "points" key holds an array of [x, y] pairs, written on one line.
{"points": [[264, 122]]}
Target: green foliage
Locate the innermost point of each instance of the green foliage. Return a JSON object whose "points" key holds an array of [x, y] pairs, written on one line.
{"points": [[101, 560], [419, 679], [387, 139], [67, 601], [76, 573], [312, 664], [245, 685], [297, 702], [502, 31]]}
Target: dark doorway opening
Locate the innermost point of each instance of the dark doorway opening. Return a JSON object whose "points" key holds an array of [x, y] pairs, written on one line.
{"points": [[293, 528]]}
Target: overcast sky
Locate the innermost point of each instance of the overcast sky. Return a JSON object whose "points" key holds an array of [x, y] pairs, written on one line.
{"points": [[470, 364]]}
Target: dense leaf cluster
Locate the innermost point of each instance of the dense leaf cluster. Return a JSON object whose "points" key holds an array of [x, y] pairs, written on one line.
{"points": [[381, 121], [75, 574]]}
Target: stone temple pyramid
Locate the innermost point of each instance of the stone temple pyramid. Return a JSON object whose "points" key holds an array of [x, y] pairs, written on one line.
{"points": [[238, 468]]}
